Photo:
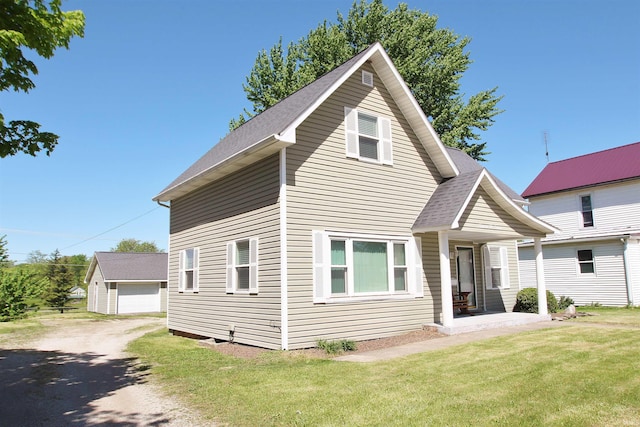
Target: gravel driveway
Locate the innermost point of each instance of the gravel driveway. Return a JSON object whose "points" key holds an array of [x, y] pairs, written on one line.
{"points": [[79, 375]]}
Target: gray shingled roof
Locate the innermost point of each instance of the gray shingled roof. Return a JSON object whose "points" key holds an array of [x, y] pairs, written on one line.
{"points": [[272, 121], [123, 266], [449, 198], [466, 163], [446, 202]]}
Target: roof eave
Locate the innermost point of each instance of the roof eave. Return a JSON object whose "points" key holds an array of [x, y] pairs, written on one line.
{"points": [[262, 149]]}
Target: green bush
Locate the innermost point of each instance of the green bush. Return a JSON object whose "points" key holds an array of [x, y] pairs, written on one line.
{"points": [[527, 301], [565, 302], [335, 347]]}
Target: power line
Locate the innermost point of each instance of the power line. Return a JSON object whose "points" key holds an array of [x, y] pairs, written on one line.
{"points": [[111, 229]]}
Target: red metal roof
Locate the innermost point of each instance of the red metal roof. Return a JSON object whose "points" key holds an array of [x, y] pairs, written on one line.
{"points": [[614, 164]]}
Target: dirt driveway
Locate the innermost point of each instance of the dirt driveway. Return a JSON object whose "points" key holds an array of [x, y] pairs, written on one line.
{"points": [[79, 375]]}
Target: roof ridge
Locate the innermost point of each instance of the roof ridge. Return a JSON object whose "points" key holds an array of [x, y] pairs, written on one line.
{"points": [[594, 153]]}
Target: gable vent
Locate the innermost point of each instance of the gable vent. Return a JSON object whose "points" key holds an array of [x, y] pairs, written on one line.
{"points": [[367, 78]]}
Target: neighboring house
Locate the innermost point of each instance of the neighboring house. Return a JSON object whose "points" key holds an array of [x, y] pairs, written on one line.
{"points": [[77, 293], [595, 201], [127, 282], [339, 214]]}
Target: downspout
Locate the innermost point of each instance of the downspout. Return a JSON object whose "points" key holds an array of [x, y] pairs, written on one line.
{"points": [[284, 263], [627, 273], [162, 204]]}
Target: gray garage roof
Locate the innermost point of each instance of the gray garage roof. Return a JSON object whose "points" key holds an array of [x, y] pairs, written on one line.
{"points": [[130, 266]]}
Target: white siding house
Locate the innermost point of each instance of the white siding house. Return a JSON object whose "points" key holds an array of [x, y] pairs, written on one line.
{"points": [[594, 200]]}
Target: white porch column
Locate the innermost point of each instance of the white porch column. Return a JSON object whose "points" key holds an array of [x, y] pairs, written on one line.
{"points": [[445, 279], [542, 287]]}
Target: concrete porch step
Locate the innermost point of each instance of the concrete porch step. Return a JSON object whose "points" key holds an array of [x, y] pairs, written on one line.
{"points": [[482, 321]]}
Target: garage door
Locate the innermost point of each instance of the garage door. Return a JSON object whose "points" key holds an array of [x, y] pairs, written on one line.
{"points": [[138, 297]]}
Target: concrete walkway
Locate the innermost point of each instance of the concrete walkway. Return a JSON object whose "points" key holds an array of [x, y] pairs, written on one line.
{"points": [[444, 342]]}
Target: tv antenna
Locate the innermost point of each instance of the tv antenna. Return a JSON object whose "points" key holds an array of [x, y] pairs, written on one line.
{"points": [[546, 146]]}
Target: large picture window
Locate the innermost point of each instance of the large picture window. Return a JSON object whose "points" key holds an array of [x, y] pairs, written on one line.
{"points": [[188, 270], [364, 266]]}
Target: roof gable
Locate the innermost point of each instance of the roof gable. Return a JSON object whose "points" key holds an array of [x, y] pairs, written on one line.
{"points": [[615, 164], [274, 128], [450, 200], [129, 266]]}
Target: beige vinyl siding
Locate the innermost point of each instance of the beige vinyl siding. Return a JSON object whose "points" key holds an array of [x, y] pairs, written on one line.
{"points": [[240, 206], [484, 214], [163, 296], [503, 300], [102, 292], [112, 298], [607, 286], [328, 191]]}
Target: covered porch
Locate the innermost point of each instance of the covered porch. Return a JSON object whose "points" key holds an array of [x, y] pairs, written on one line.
{"points": [[479, 213]]}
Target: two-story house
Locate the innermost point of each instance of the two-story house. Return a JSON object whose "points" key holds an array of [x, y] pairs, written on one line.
{"points": [[594, 200], [339, 214]]}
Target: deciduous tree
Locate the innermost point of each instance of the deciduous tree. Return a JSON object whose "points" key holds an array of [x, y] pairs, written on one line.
{"points": [[431, 60], [38, 26], [134, 245]]}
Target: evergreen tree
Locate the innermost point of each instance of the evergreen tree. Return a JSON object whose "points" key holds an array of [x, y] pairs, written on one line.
{"points": [[60, 282], [431, 61]]}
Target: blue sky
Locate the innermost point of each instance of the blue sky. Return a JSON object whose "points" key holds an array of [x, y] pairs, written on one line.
{"points": [[153, 84]]}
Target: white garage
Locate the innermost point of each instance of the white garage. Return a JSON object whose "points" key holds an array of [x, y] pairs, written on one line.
{"points": [[138, 298], [127, 282]]}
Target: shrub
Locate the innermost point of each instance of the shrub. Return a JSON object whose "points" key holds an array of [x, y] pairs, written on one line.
{"points": [[334, 347], [527, 301], [565, 302]]}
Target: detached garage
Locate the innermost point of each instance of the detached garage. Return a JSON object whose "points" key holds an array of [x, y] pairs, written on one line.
{"points": [[127, 282]]}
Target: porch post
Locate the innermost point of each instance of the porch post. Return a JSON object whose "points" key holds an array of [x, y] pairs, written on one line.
{"points": [[445, 279], [542, 287]]}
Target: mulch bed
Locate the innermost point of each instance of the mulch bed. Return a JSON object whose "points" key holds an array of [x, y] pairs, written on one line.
{"points": [[250, 352]]}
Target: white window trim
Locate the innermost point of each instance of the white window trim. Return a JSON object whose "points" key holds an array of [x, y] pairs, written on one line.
{"points": [[182, 270], [352, 137], [321, 248], [593, 261], [504, 267], [231, 276], [581, 217]]}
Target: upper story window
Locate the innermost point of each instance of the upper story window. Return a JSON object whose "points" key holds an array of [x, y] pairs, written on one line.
{"points": [[353, 266], [587, 211], [242, 266], [188, 270], [368, 137]]}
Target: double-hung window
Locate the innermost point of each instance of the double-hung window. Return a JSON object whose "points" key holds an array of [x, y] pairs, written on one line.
{"points": [[188, 270], [587, 211], [586, 264], [351, 266], [496, 267], [368, 136], [242, 266]]}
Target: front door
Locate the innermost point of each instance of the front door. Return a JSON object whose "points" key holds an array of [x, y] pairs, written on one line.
{"points": [[466, 282]]}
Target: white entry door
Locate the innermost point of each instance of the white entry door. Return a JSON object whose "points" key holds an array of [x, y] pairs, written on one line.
{"points": [[466, 276]]}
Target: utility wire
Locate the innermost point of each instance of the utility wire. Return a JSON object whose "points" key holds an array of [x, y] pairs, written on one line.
{"points": [[111, 229]]}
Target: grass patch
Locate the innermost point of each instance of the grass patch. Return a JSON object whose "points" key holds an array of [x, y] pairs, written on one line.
{"points": [[576, 375], [628, 316]]}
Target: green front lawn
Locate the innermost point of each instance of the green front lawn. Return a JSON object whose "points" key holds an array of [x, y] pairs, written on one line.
{"points": [[628, 316], [576, 375]]}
